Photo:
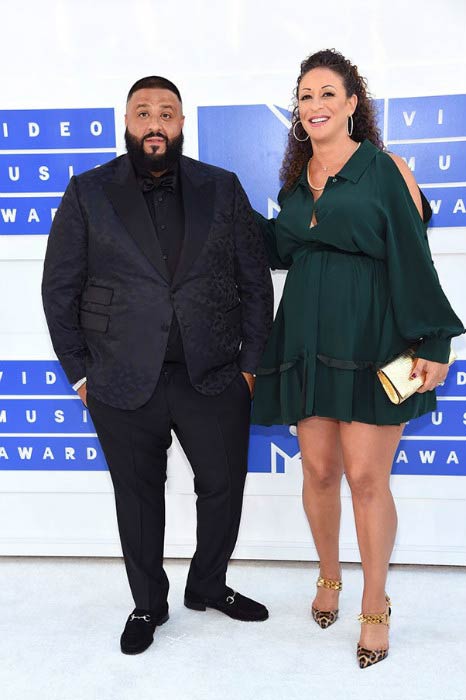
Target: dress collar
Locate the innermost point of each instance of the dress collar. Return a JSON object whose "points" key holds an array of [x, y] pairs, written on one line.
{"points": [[354, 167], [359, 161]]}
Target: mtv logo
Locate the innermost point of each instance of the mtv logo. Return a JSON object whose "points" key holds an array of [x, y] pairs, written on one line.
{"points": [[272, 450], [249, 140]]}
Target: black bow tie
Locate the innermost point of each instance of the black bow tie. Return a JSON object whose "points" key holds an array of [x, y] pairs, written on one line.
{"points": [[166, 182]]}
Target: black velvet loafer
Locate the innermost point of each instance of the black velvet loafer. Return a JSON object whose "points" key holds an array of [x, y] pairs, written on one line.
{"points": [[232, 604], [139, 630]]}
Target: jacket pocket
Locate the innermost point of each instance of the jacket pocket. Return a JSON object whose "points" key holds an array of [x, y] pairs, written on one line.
{"points": [[97, 295], [93, 321]]}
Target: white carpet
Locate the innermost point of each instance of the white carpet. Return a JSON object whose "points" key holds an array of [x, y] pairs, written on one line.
{"points": [[61, 619]]}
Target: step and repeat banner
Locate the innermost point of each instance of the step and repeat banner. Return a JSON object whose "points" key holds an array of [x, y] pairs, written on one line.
{"points": [[41, 429], [34, 170], [52, 469], [43, 426], [428, 132]]}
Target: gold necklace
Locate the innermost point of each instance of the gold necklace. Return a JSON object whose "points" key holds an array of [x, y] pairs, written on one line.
{"points": [[319, 189]]}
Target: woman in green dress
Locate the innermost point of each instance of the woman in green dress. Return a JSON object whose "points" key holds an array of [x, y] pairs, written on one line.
{"points": [[361, 288]]}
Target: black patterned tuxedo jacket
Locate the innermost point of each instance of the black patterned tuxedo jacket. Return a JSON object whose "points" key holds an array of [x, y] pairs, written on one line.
{"points": [[107, 294]]}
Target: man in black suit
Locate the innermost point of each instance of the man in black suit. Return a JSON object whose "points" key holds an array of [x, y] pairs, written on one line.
{"points": [[158, 300]]}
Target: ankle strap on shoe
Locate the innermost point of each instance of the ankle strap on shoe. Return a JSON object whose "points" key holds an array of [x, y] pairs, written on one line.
{"points": [[374, 618], [329, 583], [377, 618]]}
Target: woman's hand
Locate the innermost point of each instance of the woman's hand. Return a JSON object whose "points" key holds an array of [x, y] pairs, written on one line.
{"points": [[434, 373]]}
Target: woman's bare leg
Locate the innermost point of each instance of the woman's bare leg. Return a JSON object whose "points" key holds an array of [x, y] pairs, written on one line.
{"points": [[321, 457], [368, 452]]}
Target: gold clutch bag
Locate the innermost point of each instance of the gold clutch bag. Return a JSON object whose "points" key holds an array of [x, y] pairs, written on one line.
{"points": [[395, 376]]}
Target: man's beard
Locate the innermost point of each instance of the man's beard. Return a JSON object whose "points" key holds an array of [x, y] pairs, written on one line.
{"points": [[153, 162]]}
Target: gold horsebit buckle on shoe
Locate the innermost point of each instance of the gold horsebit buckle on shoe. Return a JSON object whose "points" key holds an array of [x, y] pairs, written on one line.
{"points": [[231, 598], [146, 618]]}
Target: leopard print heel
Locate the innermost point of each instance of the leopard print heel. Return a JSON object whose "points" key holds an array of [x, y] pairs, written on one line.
{"points": [[325, 618], [369, 657]]}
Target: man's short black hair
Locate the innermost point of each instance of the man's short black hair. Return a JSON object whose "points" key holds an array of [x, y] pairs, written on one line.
{"points": [[154, 81]]}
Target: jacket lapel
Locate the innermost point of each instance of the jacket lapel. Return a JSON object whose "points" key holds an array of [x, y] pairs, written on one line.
{"points": [[130, 206], [198, 198]]}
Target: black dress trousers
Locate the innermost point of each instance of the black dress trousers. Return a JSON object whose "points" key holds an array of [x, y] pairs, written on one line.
{"points": [[213, 432]]}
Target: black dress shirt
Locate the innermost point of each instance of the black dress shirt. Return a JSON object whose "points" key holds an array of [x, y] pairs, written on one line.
{"points": [[164, 200]]}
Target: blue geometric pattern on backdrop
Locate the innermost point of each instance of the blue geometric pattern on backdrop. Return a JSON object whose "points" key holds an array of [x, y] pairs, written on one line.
{"points": [[59, 143], [48, 172], [57, 128], [438, 116], [44, 426], [250, 140]]}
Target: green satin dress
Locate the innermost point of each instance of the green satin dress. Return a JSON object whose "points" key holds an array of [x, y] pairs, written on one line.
{"points": [[360, 288]]}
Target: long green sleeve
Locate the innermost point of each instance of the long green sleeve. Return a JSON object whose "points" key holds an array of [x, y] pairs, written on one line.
{"points": [[420, 306], [267, 227]]}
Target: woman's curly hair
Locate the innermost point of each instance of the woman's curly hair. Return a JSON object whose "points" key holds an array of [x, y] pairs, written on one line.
{"points": [[298, 153]]}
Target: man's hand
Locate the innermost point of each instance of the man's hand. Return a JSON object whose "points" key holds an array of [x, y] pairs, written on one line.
{"points": [[82, 392], [251, 380], [434, 373]]}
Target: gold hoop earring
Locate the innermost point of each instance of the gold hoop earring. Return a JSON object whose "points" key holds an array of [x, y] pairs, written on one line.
{"points": [[294, 132]]}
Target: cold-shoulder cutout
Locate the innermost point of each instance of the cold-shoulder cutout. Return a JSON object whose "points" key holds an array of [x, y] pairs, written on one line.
{"points": [[410, 182]]}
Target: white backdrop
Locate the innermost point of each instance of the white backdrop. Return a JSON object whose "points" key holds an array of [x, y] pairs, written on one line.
{"points": [[82, 54]]}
